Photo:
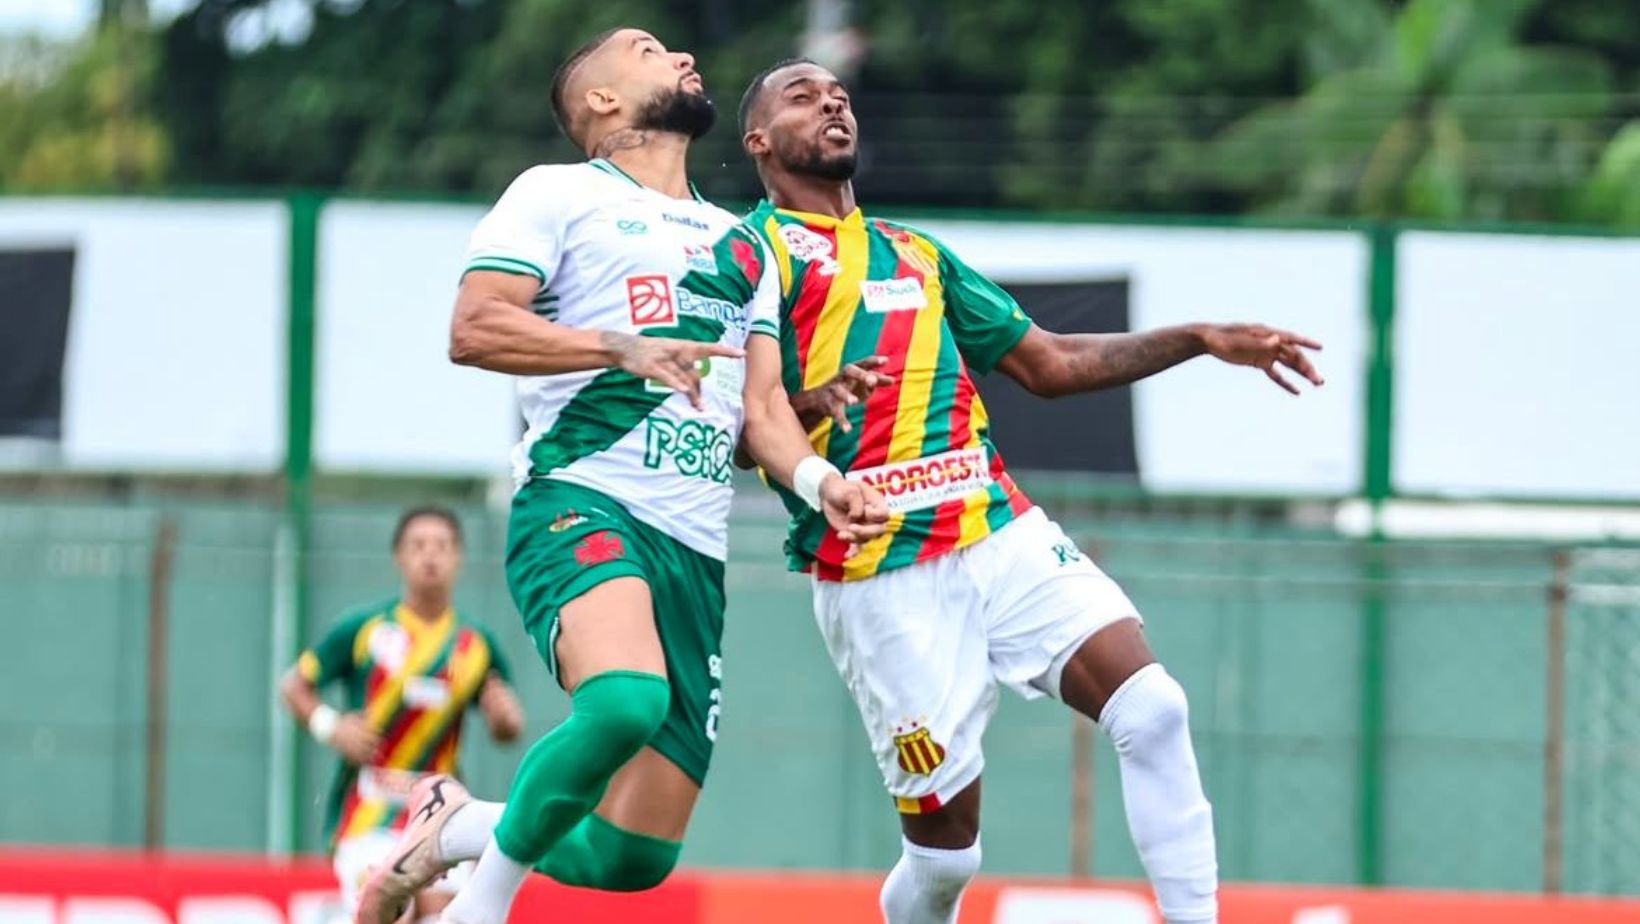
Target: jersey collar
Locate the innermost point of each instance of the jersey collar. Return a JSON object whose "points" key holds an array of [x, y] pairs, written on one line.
{"points": [[610, 168], [420, 629], [852, 219]]}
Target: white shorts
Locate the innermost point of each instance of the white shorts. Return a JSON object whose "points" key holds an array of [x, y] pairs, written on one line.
{"points": [[923, 648], [357, 855]]}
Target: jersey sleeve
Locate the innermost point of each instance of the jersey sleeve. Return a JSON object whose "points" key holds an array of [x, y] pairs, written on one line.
{"points": [[523, 233], [765, 307], [331, 658], [985, 320], [498, 660]]}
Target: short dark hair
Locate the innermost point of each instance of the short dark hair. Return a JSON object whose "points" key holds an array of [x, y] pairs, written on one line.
{"points": [[426, 510], [754, 90], [560, 79]]}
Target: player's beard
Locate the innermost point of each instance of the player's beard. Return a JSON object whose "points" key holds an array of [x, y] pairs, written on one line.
{"points": [[677, 111], [837, 167], [812, 161]]}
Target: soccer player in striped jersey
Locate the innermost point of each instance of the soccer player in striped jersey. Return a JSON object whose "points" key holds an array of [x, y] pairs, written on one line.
{"points": [[971, 586], [410, 667], [643, 329]]}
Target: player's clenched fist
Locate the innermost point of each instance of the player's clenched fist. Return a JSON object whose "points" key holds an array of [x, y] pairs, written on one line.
{"points": [[855, 510], [354, 739], [673, 363]]}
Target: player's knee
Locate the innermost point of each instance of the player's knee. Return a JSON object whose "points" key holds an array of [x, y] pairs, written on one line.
{"points": [[638, 866], [942, 875], [1150, 708], [626, 707]]}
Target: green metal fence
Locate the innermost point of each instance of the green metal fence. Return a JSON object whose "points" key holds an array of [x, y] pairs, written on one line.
{"points": [[1505, 752], [1367, 710]]}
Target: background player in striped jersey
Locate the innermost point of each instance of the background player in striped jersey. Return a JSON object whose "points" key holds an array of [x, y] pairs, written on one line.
{"points": [[643, 330], [972, 585], [410, 667]]}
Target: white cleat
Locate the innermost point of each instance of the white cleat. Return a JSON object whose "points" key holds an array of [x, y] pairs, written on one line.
{"points": [[417, 861]]}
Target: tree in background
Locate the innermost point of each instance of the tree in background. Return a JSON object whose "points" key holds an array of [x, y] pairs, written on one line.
{"points": [[1119, 115], [1611, 194], [1475, 109], [1437, 111], [429, 95], [77, 116]]}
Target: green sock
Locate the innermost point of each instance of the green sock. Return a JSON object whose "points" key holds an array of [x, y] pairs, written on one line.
{"points": [[597, 855], [563, 776]]}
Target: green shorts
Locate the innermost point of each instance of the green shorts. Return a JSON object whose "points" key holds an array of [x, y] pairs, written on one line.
{"points": [[563, 540]]}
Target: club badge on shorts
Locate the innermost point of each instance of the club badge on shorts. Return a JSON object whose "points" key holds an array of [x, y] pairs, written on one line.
{"points": [[919, 752], [564, 521], [598, 548]]}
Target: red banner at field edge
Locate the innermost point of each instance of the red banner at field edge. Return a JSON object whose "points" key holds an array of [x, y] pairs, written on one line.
{"points": [[74, 887]]}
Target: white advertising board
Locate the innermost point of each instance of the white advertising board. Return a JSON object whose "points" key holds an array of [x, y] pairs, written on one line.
{"points": [[387, 398], [1515, 371], [1205, 427], [176, 341]]}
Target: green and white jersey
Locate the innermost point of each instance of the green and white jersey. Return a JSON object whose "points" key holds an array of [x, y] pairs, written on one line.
{"points": [[612, 254]]}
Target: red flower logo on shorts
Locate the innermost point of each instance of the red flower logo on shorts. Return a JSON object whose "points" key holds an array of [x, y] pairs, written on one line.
{"points": [[598, 548]]}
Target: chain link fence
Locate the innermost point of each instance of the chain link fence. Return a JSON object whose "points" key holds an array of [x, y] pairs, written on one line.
{"points": [[1492, 744]]}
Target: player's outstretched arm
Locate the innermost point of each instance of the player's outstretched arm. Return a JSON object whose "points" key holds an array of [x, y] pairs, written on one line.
{"points": [[493, 328], [1053, 365], [346, 732], [775, 440]]}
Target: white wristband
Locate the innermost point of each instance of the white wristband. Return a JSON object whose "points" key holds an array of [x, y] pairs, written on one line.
{"points": [[322, 723], [807, 476]]}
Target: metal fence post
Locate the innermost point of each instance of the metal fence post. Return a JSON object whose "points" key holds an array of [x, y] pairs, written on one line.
{"points": [[1081, 846], [1554, 727], [1381, 279], [161, 565], [304, 259]]}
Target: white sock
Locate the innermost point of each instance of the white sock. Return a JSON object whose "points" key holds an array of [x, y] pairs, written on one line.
{"points": [[488, 893], [925, 887], [1168, 816], [468, 831]]}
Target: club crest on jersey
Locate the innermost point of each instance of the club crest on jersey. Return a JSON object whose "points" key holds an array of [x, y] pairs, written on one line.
{"points": [[389, 645], [699, 258], [902, 294], [650, 301], [908, 249], [810, 247], [919, 753]]}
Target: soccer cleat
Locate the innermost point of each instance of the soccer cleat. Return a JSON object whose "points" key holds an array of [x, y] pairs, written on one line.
{"points": [[417, 861]]}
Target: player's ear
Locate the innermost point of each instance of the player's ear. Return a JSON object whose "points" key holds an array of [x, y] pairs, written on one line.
{"points": [[756, 142], [602, 101]]}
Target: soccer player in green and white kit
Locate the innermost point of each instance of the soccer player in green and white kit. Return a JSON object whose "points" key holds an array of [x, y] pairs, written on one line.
{"points": [[630, 309]]}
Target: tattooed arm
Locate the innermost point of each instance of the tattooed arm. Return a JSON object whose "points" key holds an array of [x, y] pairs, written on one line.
{"points": [[1053, 365]]}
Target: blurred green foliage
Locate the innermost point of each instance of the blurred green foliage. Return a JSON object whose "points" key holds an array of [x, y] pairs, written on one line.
{"points": [[76, 118], [1442, 109]]}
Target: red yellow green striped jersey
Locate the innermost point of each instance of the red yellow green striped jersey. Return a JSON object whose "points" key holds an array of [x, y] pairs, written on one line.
{"points": [[857, 287], [414, 680]]}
